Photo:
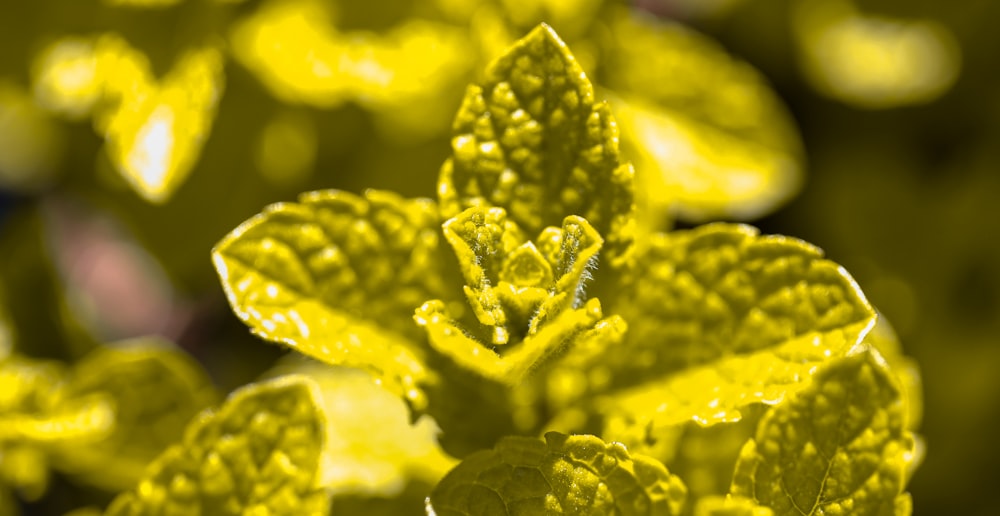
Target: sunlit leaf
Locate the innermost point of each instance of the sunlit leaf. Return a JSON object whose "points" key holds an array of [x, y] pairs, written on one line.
{"points": [[155, 390], [154, 129], [373, 449], [527, 296], [260, 453], [533, 140], [295, 49], [709, 137], [577, 474], [725, 318], [871, 61], [838, 447], [316, 277]]}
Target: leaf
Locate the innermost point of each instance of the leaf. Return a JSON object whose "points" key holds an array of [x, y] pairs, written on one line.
{"points": [[155, 389], [722, 317], [839, 446], [373, 448], [316, 276], [709, 136], [730, 506], [533, 140], [577, 474], [257, 454], [154, 129], [527, 295]]}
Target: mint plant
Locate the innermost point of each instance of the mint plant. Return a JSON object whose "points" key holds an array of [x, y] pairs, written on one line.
{"points": [[574, 362]]}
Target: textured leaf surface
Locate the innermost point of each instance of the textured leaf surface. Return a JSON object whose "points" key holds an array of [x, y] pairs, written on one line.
{"points": [[316, 276], [257, 454], [721, 317], [527, 296], [533, 141], [838, 447], [562, 475], [155, 391], [709, 136]]}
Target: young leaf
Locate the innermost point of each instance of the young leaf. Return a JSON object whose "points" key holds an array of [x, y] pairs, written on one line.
{"points": [[709, 136], [528, 295], [723, 317], [315, 276], [155, 390], [257, 454], [533, 140], [577, 474], [839, 446]]}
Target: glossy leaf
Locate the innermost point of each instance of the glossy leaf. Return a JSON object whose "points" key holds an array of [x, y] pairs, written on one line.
{"points": [[563, 475], [722, 317], [315, 276], [709, 136], [838, 447], [534, 141], [155, 391], [259, 453]]}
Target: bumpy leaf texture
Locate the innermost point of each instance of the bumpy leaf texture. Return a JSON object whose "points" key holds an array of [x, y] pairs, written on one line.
{"points": [[841, 446], [723, 317], [257, 454], [533, 140], [577, 474], [317, 276], [526, 295]]}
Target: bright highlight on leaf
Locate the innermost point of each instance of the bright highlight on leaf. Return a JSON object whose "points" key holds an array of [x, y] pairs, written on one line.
{"points": [[528, 296], [838, 447], [874, 62], [577, 474], [373, 448], [154, 129], [257, 454], [709, 137], [721, 317], [533, 140], [294, 48], [315, 276]]}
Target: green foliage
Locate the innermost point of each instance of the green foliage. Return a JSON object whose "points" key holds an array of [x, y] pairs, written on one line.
{"points": [[563, 475], [258, 454], [839, 447], [541, 294]]}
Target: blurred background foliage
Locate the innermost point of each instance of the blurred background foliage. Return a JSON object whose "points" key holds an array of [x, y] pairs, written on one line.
{"points": [[134, 134]]}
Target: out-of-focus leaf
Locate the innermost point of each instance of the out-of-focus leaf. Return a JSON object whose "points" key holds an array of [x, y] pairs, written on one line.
{"points": [[838, 447], [317, 276], [155, 390], [730, 506], [709, 137], [294, 48], [260, 453], [874, 62], [30, 144], [577, 474], [373, 449], [527, 296], [533, 140], [722, 317]]}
